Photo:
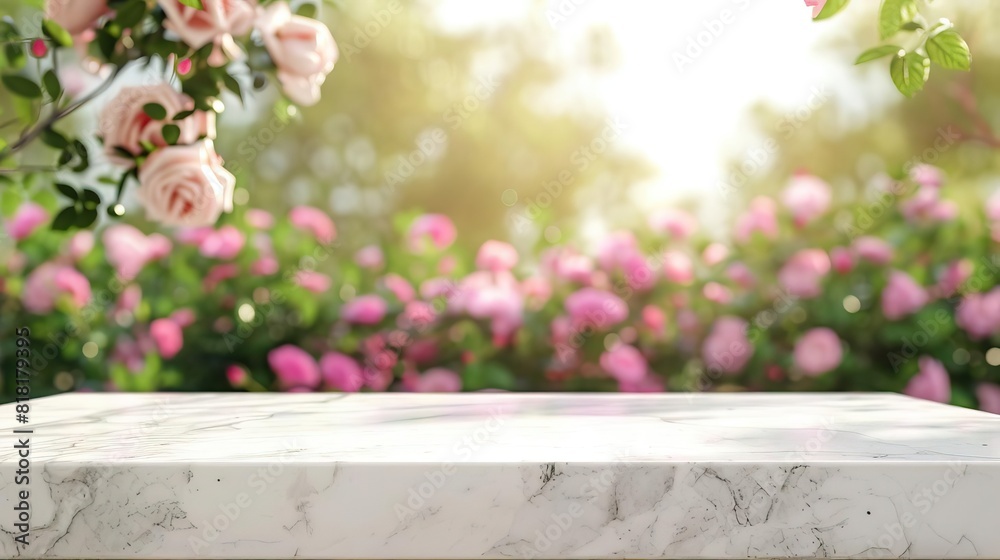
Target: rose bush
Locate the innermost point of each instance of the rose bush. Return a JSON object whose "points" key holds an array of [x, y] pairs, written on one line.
{"points": [[160, 134], [804, 294]]}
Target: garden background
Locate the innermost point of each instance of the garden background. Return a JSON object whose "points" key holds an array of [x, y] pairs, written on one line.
{"points": [[545, 196]]}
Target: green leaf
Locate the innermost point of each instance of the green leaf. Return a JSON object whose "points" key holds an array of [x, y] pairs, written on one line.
{"points": [[54, 139], [947, 49], [171, 132], [877, 52], [912, 26], [86, 217], [19, 85], [16, 57], [831, 8], [130, 14], [81, 151], [54, 31], [182, 115], [233, 85], [909, 72], [68, 191], [91, 200], [51, 83], [155, 111], [894, 14], [64, 219], [306, 10], [193, 3]]}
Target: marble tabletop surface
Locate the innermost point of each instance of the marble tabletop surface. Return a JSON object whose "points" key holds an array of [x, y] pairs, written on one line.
{"points": [[500, 475]]}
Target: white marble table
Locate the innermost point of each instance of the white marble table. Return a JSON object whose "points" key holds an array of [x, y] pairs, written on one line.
{"points": [[503, 476]]}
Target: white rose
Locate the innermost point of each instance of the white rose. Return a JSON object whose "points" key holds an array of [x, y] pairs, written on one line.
{"points": [[125, 124], [185, 185], [302, 48], [76, 16], [200, 27]]}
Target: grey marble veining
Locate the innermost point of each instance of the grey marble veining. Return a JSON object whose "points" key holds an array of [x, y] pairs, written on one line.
{"points": [[504, 476]]}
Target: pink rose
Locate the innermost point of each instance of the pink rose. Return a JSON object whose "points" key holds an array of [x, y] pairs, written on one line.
{"points": [[303, 50], [803, 274], [315, 282], [434, 227], [741, 275], [677, 223], [714, 254], [167, 336], [841, 260], [341, 372], [128, 249], [818, 351], [76, 16], [816, 5], [613, 250], [237, 376], [364, 310], [639, 272], [926, 175], [926, 206], [654, 319], [80, 245], [370, 257], [988, 395], [51, 281], [494, 296], [807, 197], [727, 349], [717, 293], [224, 243], [496, 256], [953, 276], [184, 317], [437, 287], [422, 351], [931, 381], [677, 267], [259, 219], [416, 315], [294, 367], [28, 218], [185, 185], [264, 266], [315, 221], [219, 18], [902, 296], [399, 287], [124, 123], [872, 249], [129, 299], [625, 363], [537, 290], [596, 308], [220, 273], [760, 217], [436, 380], [979, 314]]}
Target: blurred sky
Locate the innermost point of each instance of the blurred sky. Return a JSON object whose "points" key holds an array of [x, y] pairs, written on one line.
{"points": [[688, 115]]}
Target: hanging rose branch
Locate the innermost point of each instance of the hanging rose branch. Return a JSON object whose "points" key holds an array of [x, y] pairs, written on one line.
{"points": [[159, 134]]}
